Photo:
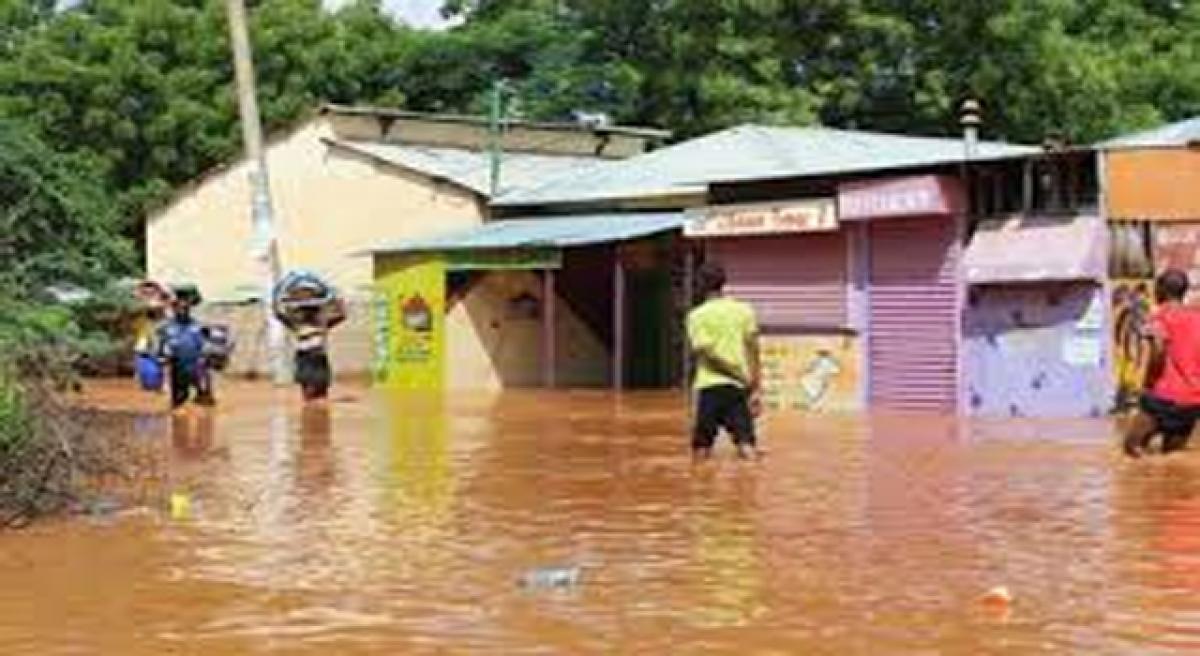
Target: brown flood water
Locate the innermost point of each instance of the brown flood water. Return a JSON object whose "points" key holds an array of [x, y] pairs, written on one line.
{"points": [[392, 525]]}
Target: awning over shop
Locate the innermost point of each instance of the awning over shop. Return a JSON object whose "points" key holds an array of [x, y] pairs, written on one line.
{"points": [[543, 233], [1028, 249]]}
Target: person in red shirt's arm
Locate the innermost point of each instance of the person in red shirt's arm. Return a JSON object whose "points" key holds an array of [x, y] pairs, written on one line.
{"points": [[1170, 404]]}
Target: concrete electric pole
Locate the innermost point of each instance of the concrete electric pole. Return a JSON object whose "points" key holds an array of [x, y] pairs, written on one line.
{"points": [[496, 134], [266, 249]]}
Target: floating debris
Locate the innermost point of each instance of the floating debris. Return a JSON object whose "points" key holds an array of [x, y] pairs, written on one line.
{"points": [[97, 507], [181, 505], [544, 578], [997, 598]]}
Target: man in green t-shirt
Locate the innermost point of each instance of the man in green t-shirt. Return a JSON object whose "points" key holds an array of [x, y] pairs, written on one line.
{"points": [[723, 333]]}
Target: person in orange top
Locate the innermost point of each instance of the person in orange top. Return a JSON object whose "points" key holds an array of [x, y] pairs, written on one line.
{"points": [[1170, 405]]}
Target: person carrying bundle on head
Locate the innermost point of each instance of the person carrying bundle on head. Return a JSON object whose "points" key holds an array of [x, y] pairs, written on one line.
{"points": [[310, 309]]}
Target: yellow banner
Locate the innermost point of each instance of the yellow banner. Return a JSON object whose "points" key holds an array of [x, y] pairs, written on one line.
{"points": [[1132, 302], [409, 323]]}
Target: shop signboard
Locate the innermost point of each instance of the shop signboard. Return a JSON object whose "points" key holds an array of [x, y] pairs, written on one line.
{"points": [[752, 219], [409, 323], [925, 195]]}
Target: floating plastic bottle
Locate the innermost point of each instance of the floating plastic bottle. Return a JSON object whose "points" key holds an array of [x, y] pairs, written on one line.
{"points": [[551, 578]]}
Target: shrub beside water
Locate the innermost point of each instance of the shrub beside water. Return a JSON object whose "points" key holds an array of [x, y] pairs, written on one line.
{"points": [[47, 452]]}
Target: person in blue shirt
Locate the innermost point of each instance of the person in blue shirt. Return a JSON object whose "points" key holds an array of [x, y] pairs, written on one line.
{"points": [[181, 343]]}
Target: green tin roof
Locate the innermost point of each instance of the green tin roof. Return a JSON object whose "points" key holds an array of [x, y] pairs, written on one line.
{"points": [[471, 169], [546, 232], [751, 152]]}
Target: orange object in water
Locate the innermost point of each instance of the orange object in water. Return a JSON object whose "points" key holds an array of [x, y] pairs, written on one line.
{"points": [[998, 597]]}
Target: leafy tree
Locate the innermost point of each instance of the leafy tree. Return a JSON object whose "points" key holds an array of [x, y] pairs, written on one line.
{"points": [[145, 86], [57, 223], [1085, 69]]}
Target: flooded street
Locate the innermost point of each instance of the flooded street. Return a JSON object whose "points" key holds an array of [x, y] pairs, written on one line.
{"points": [[387, 525]]}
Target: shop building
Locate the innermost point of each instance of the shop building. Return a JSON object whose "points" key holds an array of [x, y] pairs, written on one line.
{"points": [[976, 287], [344, 180], [1152, 182]]}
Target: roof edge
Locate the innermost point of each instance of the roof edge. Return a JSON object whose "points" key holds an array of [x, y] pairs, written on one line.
{"points": [[387, 112], [436, 177]]}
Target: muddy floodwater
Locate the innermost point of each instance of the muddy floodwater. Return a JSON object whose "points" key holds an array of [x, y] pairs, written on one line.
{"points": [[407, 526]]}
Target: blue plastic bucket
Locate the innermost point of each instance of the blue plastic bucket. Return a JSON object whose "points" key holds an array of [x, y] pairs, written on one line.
{"points": [[149, 372]]}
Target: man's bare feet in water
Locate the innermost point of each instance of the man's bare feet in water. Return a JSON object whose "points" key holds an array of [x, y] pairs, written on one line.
{"points": [[750, 452], [1138, 434]]}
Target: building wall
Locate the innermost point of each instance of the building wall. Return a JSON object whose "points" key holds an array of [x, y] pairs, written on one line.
{"points": [[494, 338], [1154, 184], [811, 373], [1037, 350], [329, 206], [350, 344]]}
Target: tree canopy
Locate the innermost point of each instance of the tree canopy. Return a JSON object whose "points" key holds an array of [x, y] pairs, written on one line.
{"points": [[143, 88]]}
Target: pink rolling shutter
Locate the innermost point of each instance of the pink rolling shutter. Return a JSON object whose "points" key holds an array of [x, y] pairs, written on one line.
{"points": [[793, 282], [914, 314]]}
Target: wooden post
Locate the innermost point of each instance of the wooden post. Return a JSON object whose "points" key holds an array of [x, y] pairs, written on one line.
{"points": [[689, 293], [549, 329], [618, 321]]}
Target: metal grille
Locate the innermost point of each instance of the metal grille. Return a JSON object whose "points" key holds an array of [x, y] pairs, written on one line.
{"points": [[913, 338]]}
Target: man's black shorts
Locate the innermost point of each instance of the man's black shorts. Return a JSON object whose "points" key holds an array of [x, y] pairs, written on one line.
{"points": [[723, 406], [1174, 421]]}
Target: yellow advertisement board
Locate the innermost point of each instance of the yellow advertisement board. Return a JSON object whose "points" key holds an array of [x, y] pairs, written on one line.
{"points": [[810, 373], [409, 323]]}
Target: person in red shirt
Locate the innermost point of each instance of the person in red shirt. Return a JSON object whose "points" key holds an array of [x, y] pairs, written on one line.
{"points": [[1170, 405]]}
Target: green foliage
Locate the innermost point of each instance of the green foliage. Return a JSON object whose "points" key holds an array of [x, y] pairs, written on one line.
{"points": [[1082, 69], [142, 89], [15, 422], [57, 222]]}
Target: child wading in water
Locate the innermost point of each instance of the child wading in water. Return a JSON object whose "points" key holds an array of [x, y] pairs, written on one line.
{"points": [[1170, 404], [723, 333]]}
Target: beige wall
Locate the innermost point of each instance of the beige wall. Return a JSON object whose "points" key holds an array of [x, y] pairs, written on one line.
{"points": [[350, 345], [489, 348], [329, 204]]}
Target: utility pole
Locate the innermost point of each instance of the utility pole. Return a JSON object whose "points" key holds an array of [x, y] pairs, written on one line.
{"points": [[496, 133], [266, 249]]}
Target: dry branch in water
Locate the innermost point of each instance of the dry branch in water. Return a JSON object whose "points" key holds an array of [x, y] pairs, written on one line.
{"points": [[48, 449]]}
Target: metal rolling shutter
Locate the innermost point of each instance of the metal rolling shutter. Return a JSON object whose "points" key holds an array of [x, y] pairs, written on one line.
{"points": [[914, 314], [792, 282]]}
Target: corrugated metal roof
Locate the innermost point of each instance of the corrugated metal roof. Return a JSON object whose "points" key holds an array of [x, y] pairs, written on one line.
{"points": [[1182, 133], [471, 168], [752, 152], [388, 112], [554, 232]]}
